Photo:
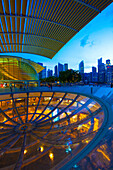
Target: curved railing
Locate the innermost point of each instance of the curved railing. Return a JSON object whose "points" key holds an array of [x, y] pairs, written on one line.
{"points": [[34, 122]]}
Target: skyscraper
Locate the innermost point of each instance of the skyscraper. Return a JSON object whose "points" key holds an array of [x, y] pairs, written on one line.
{"points": [[60, 68], [44, 72], [94, 75], [109, 74], [81, 70], [100, 61], [49, 73], [81, 67], [40, 74], [65, 67], [56, 71], [108, 63], [101, 71]]}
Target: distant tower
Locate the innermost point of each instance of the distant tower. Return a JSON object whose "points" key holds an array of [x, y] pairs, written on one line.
{"points": [[108, 71], [60, 68], [49, 73], [44, 72], [40, 74], [81, 69], [56, 71], [101, 71], [100, 61], [108, 63], [65, 67], [93, 69], [94, 75]]}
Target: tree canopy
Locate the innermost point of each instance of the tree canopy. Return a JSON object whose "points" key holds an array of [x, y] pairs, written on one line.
{"points": [[69, 76], [51, 79]]}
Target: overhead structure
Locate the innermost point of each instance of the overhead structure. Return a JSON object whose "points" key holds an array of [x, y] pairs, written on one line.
{"points": [[43, 27]]}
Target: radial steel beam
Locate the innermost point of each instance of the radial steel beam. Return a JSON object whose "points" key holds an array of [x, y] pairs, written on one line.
{"points": [[7, 117], [52, 110], [8, 138], [36, 107], [46, 106], [86, 107], [73, 113], [5, 130], [16, 109], [27, 103], [21, 156], [6, 134], [90, 6], [7, 125], [63, 110], [9, 145]]}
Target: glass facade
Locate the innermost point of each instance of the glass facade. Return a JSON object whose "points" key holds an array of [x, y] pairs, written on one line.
{"points": [[35, 125]]}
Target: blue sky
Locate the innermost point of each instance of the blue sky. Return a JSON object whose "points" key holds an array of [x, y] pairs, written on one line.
{"points": [[95, 40]]}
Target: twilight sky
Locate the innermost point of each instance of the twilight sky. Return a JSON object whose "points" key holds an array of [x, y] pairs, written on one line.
{"points": [[95, 40]]}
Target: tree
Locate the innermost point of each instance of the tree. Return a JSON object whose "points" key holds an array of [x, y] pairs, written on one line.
{"points": [[70, 76], [51, 79]]}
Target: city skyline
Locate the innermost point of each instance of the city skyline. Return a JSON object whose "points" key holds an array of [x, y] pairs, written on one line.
{"points": [[102, 73], [104, 62], [91, 43]]}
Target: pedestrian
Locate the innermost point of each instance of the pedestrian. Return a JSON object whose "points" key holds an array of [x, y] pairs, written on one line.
{"points": [[48, 85], [51, 86], [11, 87], [91, 90], [20, 87], [24, 87]]}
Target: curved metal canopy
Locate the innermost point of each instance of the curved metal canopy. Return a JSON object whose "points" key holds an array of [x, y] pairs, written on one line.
{"points": [[43, 27]]}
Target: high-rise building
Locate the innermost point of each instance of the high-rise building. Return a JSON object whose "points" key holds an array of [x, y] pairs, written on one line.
{"points": [[81, 70], [65, 67], [49, 73], [108, 63], [44, 72], [87, 78], [56, 71], [100, 61], [60, 68], [93, 69], [101, 71], [110, 74], [81, 67], [94, 75]]}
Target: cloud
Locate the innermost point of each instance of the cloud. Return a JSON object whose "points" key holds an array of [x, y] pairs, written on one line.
{"points": [[88, 66], [91, 43], [85, 41]]}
